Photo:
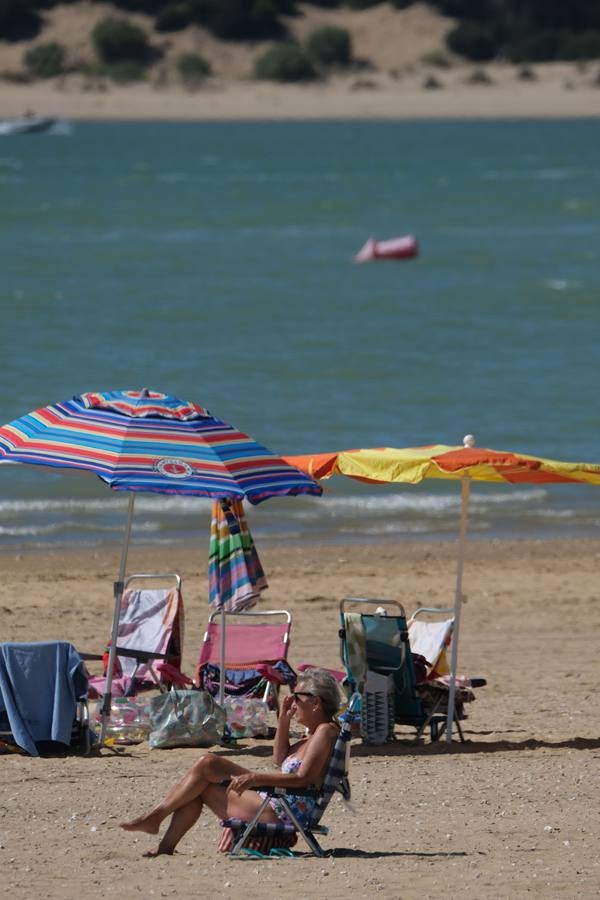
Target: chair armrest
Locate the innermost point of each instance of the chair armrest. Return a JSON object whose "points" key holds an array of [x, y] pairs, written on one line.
{"points": [[278, 791], [141, 656]]}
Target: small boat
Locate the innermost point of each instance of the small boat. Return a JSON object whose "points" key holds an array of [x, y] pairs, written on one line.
{"points": [[405, 247], [26, 124]]}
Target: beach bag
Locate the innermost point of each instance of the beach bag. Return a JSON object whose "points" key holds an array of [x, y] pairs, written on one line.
{"points": [[185, 719], [247, 716]]}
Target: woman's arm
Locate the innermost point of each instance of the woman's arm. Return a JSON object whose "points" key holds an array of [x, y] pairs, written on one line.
{"points": [[314, 763], [281, 743]]}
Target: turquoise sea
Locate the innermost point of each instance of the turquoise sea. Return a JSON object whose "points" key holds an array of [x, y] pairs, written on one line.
{"points": [[214, 261]]}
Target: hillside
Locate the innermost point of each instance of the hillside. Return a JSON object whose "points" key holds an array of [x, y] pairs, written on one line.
{"points": [[385, 38], [401, 70]]}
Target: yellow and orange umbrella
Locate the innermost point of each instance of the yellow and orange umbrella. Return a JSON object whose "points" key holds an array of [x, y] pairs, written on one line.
{"points": [[411, 465]]}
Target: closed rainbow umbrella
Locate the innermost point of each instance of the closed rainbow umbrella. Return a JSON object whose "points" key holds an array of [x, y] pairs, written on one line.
{"points": [[235, 574]]}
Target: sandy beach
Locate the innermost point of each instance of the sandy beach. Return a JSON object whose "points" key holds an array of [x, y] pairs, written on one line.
{"points": [[559, 91], [511, 813]]}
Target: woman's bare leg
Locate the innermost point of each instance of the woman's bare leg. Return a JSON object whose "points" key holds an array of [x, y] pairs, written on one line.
{"points": [[182, 820], [210, 769]]}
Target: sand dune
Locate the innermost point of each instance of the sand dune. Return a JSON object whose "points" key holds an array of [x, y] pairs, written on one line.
{"points": [[399, 79]]}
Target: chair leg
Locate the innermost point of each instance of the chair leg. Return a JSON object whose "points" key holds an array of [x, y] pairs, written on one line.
{"points": [[429, 718], [237, 847], [306, 833]]}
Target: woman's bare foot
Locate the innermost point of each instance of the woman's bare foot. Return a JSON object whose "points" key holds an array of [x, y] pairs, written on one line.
{"points": [[164, 851], [149, 823]]}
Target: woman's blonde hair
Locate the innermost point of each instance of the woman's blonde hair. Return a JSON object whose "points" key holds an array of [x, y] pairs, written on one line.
{"points": [[322, 684]]}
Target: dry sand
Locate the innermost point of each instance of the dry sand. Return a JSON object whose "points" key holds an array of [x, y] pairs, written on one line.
{"points": [[559, 91], [514, 812]]}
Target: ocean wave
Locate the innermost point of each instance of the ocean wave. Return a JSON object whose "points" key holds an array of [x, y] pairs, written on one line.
{"points": [[425, 504], [180, 505], [301, 508]]}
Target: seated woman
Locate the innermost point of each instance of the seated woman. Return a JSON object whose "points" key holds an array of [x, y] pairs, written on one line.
{"points": [[313, 704]]}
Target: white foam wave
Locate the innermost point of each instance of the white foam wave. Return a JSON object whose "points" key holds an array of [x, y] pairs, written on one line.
{"points": [[425, 504], [562, 284], [158, 504], [372, 504]]}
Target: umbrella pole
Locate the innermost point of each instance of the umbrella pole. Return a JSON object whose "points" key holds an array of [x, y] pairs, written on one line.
{"points": [[462, 534], [118, 592], [222, 660]]}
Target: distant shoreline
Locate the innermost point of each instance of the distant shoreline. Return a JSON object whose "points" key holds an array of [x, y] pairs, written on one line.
{"points": [[556, 91]]}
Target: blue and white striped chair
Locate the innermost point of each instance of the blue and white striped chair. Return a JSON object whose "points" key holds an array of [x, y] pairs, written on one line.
{"points": [[264, 836]]}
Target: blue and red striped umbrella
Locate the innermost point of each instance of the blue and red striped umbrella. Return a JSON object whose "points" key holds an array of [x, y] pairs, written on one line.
{"points": [[148, 441]]}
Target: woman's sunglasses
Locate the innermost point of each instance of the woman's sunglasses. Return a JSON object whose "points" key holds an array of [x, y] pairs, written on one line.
{"points": [[297, 694]]}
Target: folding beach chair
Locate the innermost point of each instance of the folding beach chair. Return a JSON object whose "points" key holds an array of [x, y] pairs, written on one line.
{"points": [[256, 649], [43, 698], [430, 637], [150, 637], [376, 652], [430, 633], [269, 837]]}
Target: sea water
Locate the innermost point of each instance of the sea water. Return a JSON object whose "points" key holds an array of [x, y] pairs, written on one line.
{"points": [[214, 261]]}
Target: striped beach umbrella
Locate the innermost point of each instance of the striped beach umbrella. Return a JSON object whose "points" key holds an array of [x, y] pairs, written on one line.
{"points": [[146, 441], [411, 465]]}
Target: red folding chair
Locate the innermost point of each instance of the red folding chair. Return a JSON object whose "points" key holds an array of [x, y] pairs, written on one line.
{"points": [[256, 649], [150, 633]]}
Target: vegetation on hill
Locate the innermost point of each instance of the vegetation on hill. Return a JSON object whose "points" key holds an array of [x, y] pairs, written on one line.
{"points": [[520, 31]]}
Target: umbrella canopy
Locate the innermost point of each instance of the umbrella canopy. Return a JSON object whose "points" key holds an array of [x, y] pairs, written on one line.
{"points": [[148, 441], [388, 465], [151, 442]]}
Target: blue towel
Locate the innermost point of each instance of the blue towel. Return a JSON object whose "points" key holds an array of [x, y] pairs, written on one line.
{"points": [[40, 685]]}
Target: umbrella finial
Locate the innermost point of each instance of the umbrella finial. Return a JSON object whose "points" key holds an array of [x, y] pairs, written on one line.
{"points": [[144, 392], [468, 440]]}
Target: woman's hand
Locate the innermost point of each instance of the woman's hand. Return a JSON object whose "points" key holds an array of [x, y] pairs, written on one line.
{"points": [[241, 783], [287, 708]]}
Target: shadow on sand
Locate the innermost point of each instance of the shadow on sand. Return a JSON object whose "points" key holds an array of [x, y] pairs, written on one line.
{"points": [[352, 853], [472, 745]]}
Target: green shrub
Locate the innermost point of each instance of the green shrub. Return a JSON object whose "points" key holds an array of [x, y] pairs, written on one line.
{"points": [[525, 73], [192, 68], [479, 76], [241, 20], [329, 46], [542, 46], [173, 17], [125, 71], [19, 20], [45, 60], [361, 4], [284, 62], [585, 45], [431, 83], [436, 58], [472, 40], [118, 40]]}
